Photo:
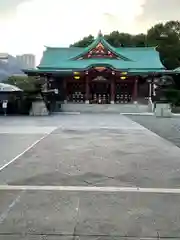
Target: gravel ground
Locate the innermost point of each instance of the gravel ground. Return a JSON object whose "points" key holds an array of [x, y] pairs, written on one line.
{"points": [[168, 128]]}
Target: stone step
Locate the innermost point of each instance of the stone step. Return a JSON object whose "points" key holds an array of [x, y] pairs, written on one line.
{"points": [[104, 108]]}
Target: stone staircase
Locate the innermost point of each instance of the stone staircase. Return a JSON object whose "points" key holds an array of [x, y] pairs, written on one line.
{"points": [[104, 108]]}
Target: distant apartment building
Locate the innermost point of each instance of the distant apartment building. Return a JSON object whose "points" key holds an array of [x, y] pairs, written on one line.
{"points": [[9, 66], [4, 57], [26, 60]]}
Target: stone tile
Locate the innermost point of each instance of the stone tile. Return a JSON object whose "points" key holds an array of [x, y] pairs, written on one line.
{"points": [[118, 238], [42, 213], [6, 199], [99, 157], [168, 128], [25, 130], [72, 238], [12, 145], [95, 150], [129, 214], [29, 237]]}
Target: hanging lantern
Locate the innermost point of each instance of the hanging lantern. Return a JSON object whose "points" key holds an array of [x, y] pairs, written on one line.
{"points": [[124, 73], [77, 77], [149, 80], [76, 73], [56, 91], [123, 78]]}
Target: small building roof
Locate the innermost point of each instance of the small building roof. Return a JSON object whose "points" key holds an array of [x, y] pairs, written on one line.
{"points": [[9, 88]]}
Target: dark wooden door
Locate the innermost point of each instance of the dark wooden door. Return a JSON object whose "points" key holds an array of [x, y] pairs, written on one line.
{"points": [[100, 92], [123, 92], [76, 92]]}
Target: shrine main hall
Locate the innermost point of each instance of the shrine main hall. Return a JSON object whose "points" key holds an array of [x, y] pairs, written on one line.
{"points": [[100, 73]]}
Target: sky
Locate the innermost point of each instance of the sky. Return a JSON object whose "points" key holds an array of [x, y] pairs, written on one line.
{"points": [[26, 26]]}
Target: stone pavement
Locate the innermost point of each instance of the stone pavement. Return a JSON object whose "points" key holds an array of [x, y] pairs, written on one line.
{"points": [[87, 152], [168, 128]]}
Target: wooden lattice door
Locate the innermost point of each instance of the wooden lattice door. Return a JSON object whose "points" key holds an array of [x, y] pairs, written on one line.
{"points": [[100, 92], [76, 92], [123, 92]]}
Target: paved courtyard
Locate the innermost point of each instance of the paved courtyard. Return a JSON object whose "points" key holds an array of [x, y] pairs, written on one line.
{"points": [[168, 128], [83, 177]]}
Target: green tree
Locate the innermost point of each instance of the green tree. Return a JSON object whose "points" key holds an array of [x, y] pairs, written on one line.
{"points": [[25, 83], [173, 26], [117, 39], [85, 42], [167, 39], [164, 36], [139, 40]]}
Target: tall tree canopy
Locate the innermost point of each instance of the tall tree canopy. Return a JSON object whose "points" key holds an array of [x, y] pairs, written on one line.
{"points": [[165, 37], [86, 41], [25, 83]]}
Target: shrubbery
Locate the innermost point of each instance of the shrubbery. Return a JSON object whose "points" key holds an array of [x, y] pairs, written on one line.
{"points": [[173, 96]]}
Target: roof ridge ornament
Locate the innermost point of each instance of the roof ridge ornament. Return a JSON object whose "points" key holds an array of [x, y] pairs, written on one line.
{"points": [[100, 33]]}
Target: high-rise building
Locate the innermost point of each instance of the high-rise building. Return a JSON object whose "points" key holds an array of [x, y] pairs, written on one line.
{"points": [[4, 57], [27, 60], [9, 66]]}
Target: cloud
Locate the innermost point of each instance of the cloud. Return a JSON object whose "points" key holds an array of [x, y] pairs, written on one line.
{"points": [[7, 7], [78, 17], [162, 10], [60, 23], [28, 25], [155, 11]]}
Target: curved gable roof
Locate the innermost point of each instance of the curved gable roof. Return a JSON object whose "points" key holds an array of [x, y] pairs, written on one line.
{"points": [[142, 54], [100, 39], [129, 58]]}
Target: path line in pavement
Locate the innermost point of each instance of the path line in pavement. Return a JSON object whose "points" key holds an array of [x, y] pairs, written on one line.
{"points": [[26, 150], [4, 215], [91, 189]]}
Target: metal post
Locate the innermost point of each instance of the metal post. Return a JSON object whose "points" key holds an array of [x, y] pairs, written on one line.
{"points": [[65, 90], [150, 91], [150, 103], [112, 91], [87, 90]]}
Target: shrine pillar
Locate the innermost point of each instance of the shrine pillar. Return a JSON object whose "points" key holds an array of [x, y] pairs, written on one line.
{"points": [[112, 91], [151, 89], [150, 102], [87, 89], [135, 90], [65, 90]]}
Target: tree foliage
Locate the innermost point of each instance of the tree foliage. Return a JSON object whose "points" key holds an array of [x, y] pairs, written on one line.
{"points": [[23, 82], [165, 37], [86, 41]]}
